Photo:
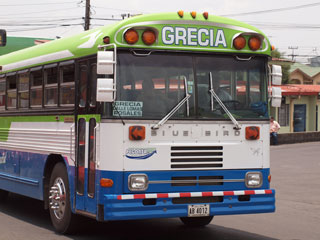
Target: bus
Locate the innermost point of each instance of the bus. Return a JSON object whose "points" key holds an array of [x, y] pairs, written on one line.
{"points": [[157, 116]]}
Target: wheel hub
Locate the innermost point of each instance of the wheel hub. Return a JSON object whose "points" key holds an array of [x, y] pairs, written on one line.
{"points": [[57, 198]]}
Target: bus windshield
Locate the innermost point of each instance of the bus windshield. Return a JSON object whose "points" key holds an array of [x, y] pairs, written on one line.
{"points": [[150, 85]]}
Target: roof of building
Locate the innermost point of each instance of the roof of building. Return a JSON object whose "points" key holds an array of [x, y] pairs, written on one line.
{"points": [[310, 71], [17, 43], [299, 89]]}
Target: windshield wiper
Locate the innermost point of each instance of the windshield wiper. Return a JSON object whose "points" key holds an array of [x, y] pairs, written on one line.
{"points": [[176, 108], [214, 95]]}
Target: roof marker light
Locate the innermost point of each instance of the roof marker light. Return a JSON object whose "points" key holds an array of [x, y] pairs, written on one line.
{"points": [[239, 42], [206, 15], [106, 40], [131, 36], [149, 37], [193, 14], [254, 43], [180, 13]]}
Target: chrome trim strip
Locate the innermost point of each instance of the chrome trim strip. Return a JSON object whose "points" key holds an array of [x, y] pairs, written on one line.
{"points": [[195, 181], [212, 121], [19, 179]]}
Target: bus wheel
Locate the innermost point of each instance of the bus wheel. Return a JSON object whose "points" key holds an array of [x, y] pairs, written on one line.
{"points": [[196, 221], [61, 216], [3, 195]]}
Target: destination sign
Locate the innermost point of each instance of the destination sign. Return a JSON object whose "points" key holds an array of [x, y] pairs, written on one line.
{"points": [[193, 37]]}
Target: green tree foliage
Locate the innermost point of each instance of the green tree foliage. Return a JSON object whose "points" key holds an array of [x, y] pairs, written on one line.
{"points": [[285, 66]]}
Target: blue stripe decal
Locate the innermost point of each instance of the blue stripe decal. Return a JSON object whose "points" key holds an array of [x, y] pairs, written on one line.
{"points": [[142, 157]]}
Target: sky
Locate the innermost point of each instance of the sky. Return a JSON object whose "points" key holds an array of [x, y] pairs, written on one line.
{"points": [[293, 26]]}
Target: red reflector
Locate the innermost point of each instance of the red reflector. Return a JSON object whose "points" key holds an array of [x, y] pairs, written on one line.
{"points": [[252, 133], [137, 132]]}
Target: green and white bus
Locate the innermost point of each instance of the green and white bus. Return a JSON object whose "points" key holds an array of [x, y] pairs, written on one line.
{"points": [[156, 116]]}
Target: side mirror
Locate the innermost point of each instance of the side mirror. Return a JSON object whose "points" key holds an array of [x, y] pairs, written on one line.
{"points": [[105, 90], [3, 38], [276, 97], [276, 75], [105, 62]]}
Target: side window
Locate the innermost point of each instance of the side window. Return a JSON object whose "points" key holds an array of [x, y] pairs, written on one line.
{"points": [[36, 80], [23, 90], [83, 85], [2, 93], [51, 86], [12, 91], [67, 88], [93, 83]]}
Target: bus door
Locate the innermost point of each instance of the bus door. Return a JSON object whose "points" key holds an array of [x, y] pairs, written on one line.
{"points": [[86, 192]]}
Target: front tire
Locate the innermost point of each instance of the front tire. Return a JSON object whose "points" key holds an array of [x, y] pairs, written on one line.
{"points": [[63, 220], [196, 221], [3, 195]]}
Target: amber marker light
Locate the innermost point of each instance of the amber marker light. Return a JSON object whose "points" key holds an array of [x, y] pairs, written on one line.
{"points": [[254, 43], [148, 37], [137, 133], [269, 178], [131, 36], [106, 182], [206, 15], [193, 14], [252, 133], [239, 42], [106, 40], [180, 13], [273, 48]]}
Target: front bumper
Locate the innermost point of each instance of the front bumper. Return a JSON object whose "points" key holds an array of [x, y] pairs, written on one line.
{"points": [[167, 205]]}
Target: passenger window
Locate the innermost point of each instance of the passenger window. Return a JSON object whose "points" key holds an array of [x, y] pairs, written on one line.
{"points": [[67, 88], [51, 87], [12, 91], [2, 93], [23, 90], [36, 88]]}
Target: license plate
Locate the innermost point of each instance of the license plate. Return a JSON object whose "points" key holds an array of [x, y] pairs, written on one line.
{"points": [[198, 210]]}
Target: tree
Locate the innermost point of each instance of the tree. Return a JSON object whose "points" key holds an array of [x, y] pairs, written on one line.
{"points": [[277, 56]]}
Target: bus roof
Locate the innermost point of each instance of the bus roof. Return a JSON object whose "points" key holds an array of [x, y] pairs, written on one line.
{"points": [[173, 32]]}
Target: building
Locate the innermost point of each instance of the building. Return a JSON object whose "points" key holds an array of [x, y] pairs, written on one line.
{"points": [[300, 108], [17, 43], [304, 74]]}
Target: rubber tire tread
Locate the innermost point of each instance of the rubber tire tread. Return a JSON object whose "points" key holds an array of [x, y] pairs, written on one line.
{"points": [[68, 224], [196, 221], [3, 195]]}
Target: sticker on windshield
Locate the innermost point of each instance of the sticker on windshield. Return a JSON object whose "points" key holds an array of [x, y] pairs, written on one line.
{"points": [[190, 87], [127, 109], [140, 153]]}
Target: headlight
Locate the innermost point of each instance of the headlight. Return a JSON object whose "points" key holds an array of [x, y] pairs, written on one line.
{"points": [[253, 179], [138, 182]]}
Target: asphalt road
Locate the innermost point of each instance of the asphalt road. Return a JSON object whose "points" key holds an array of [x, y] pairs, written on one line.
{"points": [[295, 176]]}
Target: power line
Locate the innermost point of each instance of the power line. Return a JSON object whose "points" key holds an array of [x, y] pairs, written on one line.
{"points": [[33, 4], [273, 10], [27, 13]]}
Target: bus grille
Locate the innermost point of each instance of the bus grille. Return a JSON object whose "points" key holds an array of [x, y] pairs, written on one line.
{"points": [[201, 157]]}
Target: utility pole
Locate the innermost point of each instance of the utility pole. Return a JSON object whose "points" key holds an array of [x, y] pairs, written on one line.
{"points": [[292, 55], [87, 16]]}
